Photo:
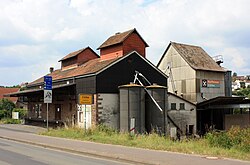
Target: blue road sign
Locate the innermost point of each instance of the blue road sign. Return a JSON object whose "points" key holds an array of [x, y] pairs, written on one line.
{"points": [[47, 82]]}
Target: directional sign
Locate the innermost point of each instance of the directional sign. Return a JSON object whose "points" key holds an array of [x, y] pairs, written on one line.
{"points": [[48, 82], [47, 96]]}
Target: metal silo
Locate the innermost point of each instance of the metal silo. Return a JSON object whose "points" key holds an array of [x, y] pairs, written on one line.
{"points": [[156, 119], [132, 108]]}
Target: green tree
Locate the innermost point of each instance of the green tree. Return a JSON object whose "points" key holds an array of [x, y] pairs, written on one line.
{"points": [[234, 74], [243, 92], [6, 107]]}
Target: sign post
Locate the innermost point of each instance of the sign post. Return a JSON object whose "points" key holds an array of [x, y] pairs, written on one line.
{"points": [[47, 94]]}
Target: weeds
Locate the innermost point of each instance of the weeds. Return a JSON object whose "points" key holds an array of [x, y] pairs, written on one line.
{"points": [[233, 144], [234, 138]]}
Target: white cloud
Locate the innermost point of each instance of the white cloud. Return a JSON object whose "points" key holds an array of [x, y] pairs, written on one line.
{"points": [[35, 31]]}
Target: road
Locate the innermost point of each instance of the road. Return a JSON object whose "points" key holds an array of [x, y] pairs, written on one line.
{"points": [[108, 153], [15, 153]]}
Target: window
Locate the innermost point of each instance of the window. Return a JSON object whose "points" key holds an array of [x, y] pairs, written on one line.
{"points": [[173, 106], [81, 117], [189, 130], [70, 106], [182, 106]]}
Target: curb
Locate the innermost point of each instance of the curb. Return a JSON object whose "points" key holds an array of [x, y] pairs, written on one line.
{"points": [[96, 155]]}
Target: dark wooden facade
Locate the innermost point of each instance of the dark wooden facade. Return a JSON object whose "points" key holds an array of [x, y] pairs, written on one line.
{"points": [[120, 73]]}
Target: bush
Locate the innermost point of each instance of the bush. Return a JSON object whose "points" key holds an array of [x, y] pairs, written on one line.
{"points": [[22, 112], [3, 114], [234, 138], [6, 106]]}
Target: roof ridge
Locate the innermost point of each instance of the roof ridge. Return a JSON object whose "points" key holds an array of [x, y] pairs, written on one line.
{"points": [[118, 38], [71, 54], [105, 44], [196, 57], [186, 44]]}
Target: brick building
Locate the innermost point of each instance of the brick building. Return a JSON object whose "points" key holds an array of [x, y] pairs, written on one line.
{"points": [[85, 72]]}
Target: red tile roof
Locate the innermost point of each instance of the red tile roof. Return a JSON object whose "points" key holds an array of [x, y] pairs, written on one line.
{"points": [[89, 67], [75, 53], [119, 38], [4, 91]]}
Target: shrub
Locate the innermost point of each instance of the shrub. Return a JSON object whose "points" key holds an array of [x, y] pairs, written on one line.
{"points": [[234, 138], [3, 114], [22, 112]]}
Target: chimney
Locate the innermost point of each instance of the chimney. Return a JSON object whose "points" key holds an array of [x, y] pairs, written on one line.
{"points": [[51, 69]]}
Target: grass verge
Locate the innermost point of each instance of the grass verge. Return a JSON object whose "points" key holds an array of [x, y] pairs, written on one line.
{"points": [[10, 121], [203, 146]]}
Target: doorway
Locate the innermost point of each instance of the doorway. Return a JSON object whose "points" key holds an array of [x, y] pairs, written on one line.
{"points": [[84, 116]]}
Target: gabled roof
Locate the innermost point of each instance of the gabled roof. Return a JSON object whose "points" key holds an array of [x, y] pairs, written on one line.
{"points": [[92, 67], [4, 91], [75, 53], [119, 38], [195, 56]]}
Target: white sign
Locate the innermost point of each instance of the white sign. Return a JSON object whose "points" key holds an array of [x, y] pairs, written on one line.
{"points": [[173, 132], [132, 126], [15, 115], [47, 96]]}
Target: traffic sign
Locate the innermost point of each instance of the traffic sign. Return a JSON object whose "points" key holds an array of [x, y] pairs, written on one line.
{"points": [[86, 99], [47, 82], [47, 96]]}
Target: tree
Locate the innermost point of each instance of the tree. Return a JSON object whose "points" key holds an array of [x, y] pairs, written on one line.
{"points": [[234, 74], [6, 107], [243, 92]]}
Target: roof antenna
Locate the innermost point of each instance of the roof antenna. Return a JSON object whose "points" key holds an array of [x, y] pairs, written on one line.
{"points": [[218, 59]]}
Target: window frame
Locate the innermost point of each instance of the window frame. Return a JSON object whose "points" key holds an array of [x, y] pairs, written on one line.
{"points": [[173, 106], [182, 106]]}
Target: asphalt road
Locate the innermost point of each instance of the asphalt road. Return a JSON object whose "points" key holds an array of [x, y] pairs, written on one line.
{"points": [[15, 153], [87, 152]]}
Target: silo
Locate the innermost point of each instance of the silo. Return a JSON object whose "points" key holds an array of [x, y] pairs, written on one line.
{"points": [[132, 107], [156, 119]]}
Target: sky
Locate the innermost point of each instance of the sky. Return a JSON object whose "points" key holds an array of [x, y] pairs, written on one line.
{"points": [[36, 34]]}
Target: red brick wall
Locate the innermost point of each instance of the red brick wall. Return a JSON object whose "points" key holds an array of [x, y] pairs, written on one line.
{"points": [[134, 42], [111, 52], [85, 56], [69, 62]]}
